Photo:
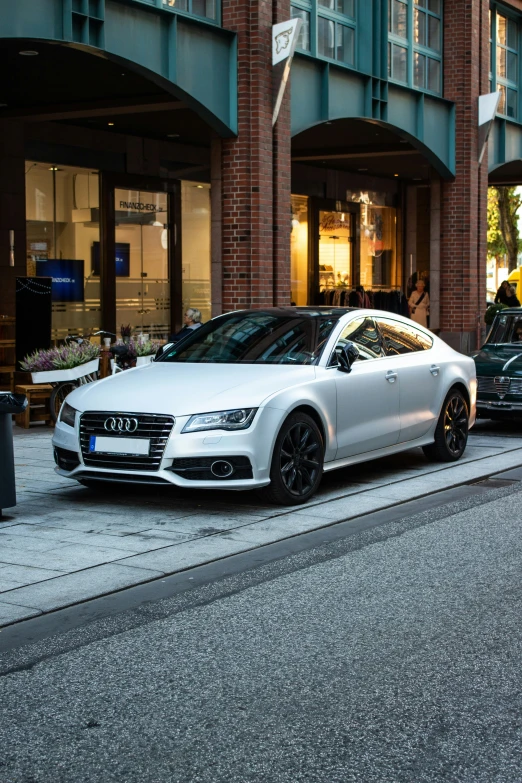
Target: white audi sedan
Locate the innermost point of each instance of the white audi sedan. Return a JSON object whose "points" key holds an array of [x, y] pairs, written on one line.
{"points": [[271, 399]]}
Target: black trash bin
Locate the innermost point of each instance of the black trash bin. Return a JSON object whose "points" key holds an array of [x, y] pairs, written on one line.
{"points": [[9, 404]]}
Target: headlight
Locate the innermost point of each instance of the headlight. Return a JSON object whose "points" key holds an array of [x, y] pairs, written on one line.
{"points": [[68, 414], [238, 419]]}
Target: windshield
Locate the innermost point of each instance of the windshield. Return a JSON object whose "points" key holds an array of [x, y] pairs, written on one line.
{"points": [[255, 338], [506, 329]]}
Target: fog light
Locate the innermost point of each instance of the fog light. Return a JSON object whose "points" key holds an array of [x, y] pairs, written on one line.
{"points": [[221, 468]]}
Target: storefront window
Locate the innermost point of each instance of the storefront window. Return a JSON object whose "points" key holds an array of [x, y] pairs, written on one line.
{"points": [[195, 222], [378, 261], [62, 212], [336, 272], [299, 251]]}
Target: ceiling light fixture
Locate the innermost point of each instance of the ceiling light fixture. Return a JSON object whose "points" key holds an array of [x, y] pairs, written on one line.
{"points": [[54, 168], [200, 187], [29, 53], [172, 135], [362, 169], [110, 124], [395, 175]]}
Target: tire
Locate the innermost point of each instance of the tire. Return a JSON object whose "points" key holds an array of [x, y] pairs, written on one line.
{"points": [[297, 462], [451, 432], [58, 395]]}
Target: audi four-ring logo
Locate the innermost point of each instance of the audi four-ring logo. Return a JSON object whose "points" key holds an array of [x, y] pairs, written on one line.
{"points": [[117, 424]]}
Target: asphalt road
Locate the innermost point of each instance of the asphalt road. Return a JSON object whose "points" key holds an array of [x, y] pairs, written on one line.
{"points": [[392, 655]]}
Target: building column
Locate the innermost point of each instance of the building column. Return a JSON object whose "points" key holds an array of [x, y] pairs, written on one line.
{"points": [[255, 169], [463, 206], [12, 211], [435, 254]]}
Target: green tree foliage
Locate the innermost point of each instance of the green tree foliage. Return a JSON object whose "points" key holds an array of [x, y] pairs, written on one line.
{"points": [[503, 235]]}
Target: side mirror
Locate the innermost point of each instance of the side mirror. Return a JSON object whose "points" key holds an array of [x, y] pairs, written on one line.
{"points": [[349, 353]]}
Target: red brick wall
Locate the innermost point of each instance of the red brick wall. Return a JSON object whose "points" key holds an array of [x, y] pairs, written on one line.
{"points": [[463, 225], [282, 152], [256, 168]]}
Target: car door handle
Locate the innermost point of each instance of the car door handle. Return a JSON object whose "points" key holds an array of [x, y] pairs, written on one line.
{"points": [[391, 376], [434, 369]]}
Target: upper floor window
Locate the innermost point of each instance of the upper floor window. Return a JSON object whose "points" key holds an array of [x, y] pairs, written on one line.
{"points": [[204, 8], [415, 43], [504, 66], [328, 28]]}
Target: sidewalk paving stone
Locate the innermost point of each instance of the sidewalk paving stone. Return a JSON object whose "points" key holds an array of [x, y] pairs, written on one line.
{"points": [[72, 588], [12, 613], [69, 544], [188, 554], [121, 539], [69, 557], [27, 574]]}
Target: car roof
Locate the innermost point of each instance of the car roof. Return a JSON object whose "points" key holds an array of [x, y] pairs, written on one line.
{"points": [[510, 311], [306, 311]]}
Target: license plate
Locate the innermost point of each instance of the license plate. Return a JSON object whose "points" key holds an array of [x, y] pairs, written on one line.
{"points": [[129, 446]]}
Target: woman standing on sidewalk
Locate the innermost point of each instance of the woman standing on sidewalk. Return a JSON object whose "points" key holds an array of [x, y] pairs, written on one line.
{"points": [[419, 304]]}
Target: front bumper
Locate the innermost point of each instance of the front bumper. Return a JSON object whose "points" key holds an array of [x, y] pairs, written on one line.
{"points": [[252, 446], [498, 405]]}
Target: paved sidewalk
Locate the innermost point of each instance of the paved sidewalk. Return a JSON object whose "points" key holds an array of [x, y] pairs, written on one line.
{"points": [[63, 544]]}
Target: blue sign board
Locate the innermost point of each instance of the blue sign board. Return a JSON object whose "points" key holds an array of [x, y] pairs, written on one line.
{"points": [[67, 278], [122, 259]]}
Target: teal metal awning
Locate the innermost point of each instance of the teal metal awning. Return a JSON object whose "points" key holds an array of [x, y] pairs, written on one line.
{"points": [[323, 92], [194, 61], [505, 153]]}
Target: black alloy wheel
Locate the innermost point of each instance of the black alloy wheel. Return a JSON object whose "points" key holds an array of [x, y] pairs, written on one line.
{"points": [[297, 462], [451, 433], [58, 395]]}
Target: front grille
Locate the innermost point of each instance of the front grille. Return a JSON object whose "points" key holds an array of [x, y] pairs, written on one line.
{"points": [[65, 459], [156, 428], [500, 385], [198, 468]]}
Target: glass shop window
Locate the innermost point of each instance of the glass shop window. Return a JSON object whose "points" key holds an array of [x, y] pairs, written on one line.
{"points": [[62, 214]]}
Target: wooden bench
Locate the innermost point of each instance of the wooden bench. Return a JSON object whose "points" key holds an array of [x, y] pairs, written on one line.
{"points": [[38, 408], [8, 371]]}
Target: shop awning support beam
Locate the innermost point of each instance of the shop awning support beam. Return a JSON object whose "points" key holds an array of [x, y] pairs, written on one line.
{"points": [[94, 109]]}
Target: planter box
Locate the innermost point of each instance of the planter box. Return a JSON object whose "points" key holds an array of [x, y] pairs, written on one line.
{"points": [[142, 360], [57, 376]]}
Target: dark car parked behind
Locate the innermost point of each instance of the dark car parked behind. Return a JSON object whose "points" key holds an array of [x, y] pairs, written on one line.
{"points": [[499, 367]]}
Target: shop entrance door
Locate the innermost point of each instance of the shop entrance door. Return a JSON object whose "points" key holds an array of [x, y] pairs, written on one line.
{"points": [[141, 271], [142, 262]]}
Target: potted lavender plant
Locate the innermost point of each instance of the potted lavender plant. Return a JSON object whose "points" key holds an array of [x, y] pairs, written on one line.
{"points": [[145, 351], [65, 363], [126, 332]]}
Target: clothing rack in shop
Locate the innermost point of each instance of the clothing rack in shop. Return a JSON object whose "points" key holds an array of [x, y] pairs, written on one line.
{"points": [[393, 300]]}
